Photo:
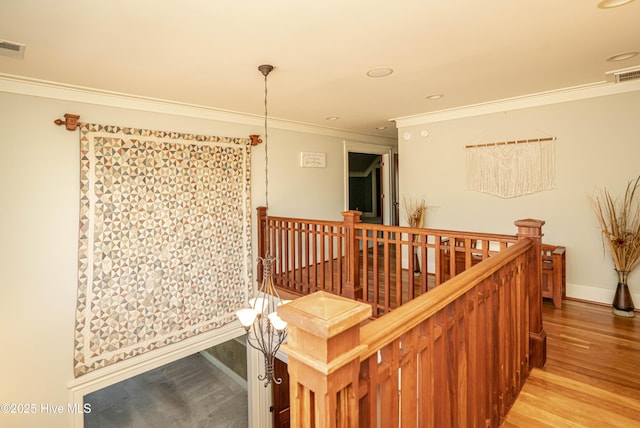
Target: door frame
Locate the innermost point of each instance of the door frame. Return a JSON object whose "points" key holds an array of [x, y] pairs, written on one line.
{"points": [[387, 177]]}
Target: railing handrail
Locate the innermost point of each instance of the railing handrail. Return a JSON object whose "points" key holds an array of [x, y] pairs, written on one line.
{"points": [[383, 330], [305, 220], [482, 236]]}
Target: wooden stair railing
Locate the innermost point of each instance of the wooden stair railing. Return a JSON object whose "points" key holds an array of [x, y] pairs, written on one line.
{"points": [[310, 254], [457, 356], [385, 266]]}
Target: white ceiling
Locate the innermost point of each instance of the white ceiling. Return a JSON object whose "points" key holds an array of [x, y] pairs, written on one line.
{"points": [[206, 52]]}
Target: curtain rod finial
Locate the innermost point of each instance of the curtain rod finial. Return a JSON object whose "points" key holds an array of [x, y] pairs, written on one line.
{"points": [[255, 139], [70, 122]]}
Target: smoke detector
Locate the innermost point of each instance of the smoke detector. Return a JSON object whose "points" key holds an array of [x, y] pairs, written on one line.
{"points": [[624, 75], [12, 49]]}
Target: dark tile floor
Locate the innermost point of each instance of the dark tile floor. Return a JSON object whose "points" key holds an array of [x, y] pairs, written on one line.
{"points": [[187, 393]]}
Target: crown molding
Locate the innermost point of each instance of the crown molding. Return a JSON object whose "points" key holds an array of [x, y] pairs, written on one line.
{"points": [[599, 89], [47, 89]]}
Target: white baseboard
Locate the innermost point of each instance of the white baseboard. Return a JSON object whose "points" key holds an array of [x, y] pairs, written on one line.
{"points": [[595, 294], [224, 369]]}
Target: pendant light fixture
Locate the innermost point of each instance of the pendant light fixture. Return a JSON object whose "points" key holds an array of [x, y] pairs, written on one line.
{"points": [[265, 330]]}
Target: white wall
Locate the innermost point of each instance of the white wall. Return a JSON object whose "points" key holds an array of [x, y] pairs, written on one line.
{"points": [[39, 189], [598, 145], [314, 193]]}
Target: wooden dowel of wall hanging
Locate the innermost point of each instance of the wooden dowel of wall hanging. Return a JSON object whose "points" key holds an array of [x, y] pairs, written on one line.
{"points": [[502, 143], [70, 121]]}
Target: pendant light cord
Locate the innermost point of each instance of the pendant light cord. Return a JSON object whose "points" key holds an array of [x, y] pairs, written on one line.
{"points": [[266, 149], [265, 70]]}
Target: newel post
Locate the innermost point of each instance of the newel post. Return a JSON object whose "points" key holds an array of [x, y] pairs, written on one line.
{"points": [[262, 230], [323, 347], [532, 229], [352, 288]]}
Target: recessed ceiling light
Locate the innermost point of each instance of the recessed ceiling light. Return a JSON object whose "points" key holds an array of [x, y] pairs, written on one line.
{"points": [[380, 128], [622, 56], [379, 72], [332, 118], [434, 97], [608, 4]]}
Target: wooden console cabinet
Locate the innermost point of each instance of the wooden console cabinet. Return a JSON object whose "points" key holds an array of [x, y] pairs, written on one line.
{"points": [[553, 268], [553, 274]]}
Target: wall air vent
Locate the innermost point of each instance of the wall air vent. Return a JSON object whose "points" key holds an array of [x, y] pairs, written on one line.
{"points": [[12, 49], [625, 75]]}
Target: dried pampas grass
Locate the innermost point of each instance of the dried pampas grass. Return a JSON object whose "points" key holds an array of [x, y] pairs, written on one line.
{"points": [[620, 224], [414, 212]]}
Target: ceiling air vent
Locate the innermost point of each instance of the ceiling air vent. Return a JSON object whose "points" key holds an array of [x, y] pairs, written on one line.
{"points": [[625, 75], [12, 49], [630, 75]]}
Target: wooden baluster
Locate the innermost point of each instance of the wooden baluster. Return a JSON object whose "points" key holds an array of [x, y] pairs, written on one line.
{"points": [[308, 262], [398, 270], [426, 393], [314, 257], [331, 259], [386, 275], [409, 381], [532, 229], [439, 260], [368, 410], [296, 254], [377, 256], [286, 261], [342, 263], [423, 256], [325, 251], [324, 359]]}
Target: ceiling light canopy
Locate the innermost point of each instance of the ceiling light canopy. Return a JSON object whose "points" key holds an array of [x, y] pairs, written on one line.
{"points": [[379, 72], [608, 4], [622, 56]]}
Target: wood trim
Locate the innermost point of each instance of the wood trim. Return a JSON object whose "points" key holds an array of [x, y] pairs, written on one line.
{"points": [[503, 143]]}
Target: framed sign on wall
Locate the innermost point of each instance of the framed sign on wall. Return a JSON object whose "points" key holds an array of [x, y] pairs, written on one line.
{"points": [[313, 160]]}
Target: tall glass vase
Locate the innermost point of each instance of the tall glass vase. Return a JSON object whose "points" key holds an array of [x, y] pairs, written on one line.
{"points": [[622, 302]]}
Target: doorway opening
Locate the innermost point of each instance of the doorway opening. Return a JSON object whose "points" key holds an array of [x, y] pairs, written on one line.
{"points": [[208, 388], [365, 186], [369, 182]]}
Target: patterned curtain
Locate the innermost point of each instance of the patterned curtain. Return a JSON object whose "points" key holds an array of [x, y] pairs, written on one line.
{"points": [[510, 170], [165, 240]]}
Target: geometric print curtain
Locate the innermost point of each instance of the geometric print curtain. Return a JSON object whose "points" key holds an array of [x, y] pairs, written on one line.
{"points": [[511, 169], [164, 243]]}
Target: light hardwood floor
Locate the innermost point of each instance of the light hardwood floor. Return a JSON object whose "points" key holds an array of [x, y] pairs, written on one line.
{"points": [[592, 374]]}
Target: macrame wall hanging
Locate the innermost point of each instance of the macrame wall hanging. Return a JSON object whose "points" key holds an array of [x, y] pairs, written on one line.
{"points": [[165, 239], [511, 168]]}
